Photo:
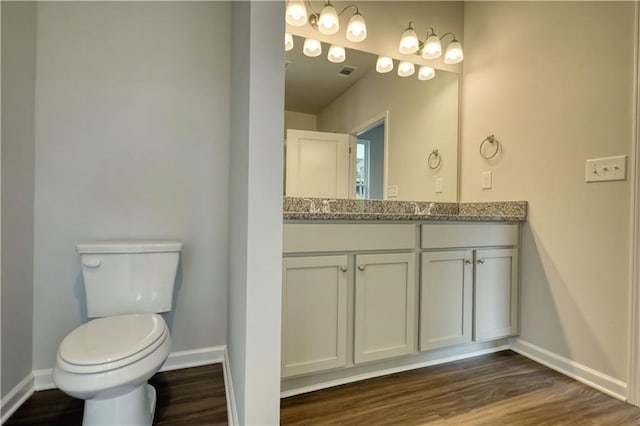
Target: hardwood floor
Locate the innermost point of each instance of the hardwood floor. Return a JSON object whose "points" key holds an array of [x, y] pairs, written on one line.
{"points": [[193, 396], [498, 389]]}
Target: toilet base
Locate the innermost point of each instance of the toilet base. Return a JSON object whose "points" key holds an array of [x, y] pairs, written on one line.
{"points": [[136, 407]]}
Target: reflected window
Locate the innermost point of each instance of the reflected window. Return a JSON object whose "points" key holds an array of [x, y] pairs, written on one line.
{"points": [[363, 155]]}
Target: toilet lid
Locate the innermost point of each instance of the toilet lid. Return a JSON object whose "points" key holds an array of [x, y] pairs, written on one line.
{"points": [[109, 339]]}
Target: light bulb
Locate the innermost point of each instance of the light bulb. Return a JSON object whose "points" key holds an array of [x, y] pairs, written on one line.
{"points": [[384, 64], [409, 41], [454, 54], [312, 48], [426, 73], [357, 28], [328, 21], [336, 54], [296, 14], [405, 69], [288, 42], [432, 48]]}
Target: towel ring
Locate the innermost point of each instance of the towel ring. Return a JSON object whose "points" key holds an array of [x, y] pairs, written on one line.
{"points": [[434, 155], [492, 140]]}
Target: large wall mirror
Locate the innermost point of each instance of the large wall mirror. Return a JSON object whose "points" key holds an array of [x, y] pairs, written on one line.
{"points": [[355, 133]]}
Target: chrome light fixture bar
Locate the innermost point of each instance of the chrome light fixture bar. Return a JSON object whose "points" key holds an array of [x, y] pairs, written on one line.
{"points": [[431, 47]]}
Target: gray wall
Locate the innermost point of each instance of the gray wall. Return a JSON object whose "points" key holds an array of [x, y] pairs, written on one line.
{"points": [[18, 86], [132, 141], [530, 78], [255, 221]]}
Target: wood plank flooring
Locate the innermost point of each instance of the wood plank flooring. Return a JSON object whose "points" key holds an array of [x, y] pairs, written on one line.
{"points": [[192, 396], [498, 389]]}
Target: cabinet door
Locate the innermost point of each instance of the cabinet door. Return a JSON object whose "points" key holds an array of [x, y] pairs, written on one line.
{"points": [[384, 306], [496, 294], [314, 314], [445, 298]]}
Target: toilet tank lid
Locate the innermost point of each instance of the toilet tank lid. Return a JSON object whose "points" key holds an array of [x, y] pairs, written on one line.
{"points": [[99, 247]]}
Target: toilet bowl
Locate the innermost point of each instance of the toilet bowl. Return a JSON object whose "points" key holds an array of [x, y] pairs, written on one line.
{"points": [[108, 361]]}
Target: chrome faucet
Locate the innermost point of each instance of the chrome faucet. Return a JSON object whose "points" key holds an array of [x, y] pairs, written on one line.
{"points": [[426, 210]]}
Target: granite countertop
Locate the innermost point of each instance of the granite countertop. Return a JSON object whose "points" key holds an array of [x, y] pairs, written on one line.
{"points": [[377, 210]]}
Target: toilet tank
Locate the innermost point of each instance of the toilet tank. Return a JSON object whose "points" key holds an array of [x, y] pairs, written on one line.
{"points": [[129, 277]]}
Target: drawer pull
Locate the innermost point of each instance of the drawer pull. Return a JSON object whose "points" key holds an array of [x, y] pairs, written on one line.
{"points": [[344, 268], [468, 261], [480, 260], [361, 267]]}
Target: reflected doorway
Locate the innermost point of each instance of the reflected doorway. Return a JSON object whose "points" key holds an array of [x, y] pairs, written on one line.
{"points": [[369, 164]]}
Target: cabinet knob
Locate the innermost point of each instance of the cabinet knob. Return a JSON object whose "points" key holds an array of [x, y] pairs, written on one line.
{"points": [[344, 268], [467, 261], [361, 267], [480, 260]]}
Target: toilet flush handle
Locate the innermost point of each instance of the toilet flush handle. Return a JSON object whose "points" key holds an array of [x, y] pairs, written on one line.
{"points": [[94, 262]]}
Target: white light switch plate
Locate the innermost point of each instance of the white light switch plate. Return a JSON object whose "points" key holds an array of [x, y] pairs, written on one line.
{"points": [[392, 191], [606, 169], [486, 181], [439, 185]]}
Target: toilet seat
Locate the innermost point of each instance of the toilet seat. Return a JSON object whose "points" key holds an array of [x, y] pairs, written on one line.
{"points": [[108, 343]]}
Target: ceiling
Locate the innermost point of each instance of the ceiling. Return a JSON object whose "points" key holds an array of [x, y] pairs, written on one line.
{"points": [[312, 83]]}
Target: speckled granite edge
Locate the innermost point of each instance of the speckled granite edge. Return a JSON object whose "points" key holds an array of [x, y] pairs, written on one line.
{"points": [[304, 205], [508, 208], [345, 209]]}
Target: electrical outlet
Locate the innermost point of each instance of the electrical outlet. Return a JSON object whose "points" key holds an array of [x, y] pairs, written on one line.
{"points": [[392, 191], [606, 169], [486, 180]]}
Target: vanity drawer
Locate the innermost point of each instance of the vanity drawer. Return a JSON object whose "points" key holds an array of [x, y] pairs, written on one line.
{"points": [[452, 235], [312, 237]]}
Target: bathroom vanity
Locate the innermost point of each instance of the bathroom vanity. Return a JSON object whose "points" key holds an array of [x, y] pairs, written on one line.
{"points": [[371, 287]]}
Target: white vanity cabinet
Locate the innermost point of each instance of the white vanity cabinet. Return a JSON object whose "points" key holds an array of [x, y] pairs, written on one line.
{"points": [[314, 314], [358, 293], [446, 297], [468, 283], [349, 294], [495, 309], [385, 287]]}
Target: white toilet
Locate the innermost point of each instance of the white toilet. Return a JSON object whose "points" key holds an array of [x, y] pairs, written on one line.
{"points": [[107, 361]]}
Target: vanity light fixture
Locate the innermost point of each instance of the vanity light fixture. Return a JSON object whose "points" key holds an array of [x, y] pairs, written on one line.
{"points": [[336, 54], [426, 73], [384, 64], [405, 69], [296, 14], [312, 48], [431, 48], [454, 54], [409, 42], [328, 20], [288, 42]]}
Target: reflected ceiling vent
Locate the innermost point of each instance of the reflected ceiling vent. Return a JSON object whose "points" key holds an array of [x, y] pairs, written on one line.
{"points": [[346, 71]]}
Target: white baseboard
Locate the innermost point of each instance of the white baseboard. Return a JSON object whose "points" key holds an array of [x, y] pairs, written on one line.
{"points": [[43, 379], [194, 358], [16, 397], [590, 377], [378, 373], [232, 410]]}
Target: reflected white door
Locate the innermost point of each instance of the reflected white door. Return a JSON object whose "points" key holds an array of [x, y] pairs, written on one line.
{"points": [[317, 164]]}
